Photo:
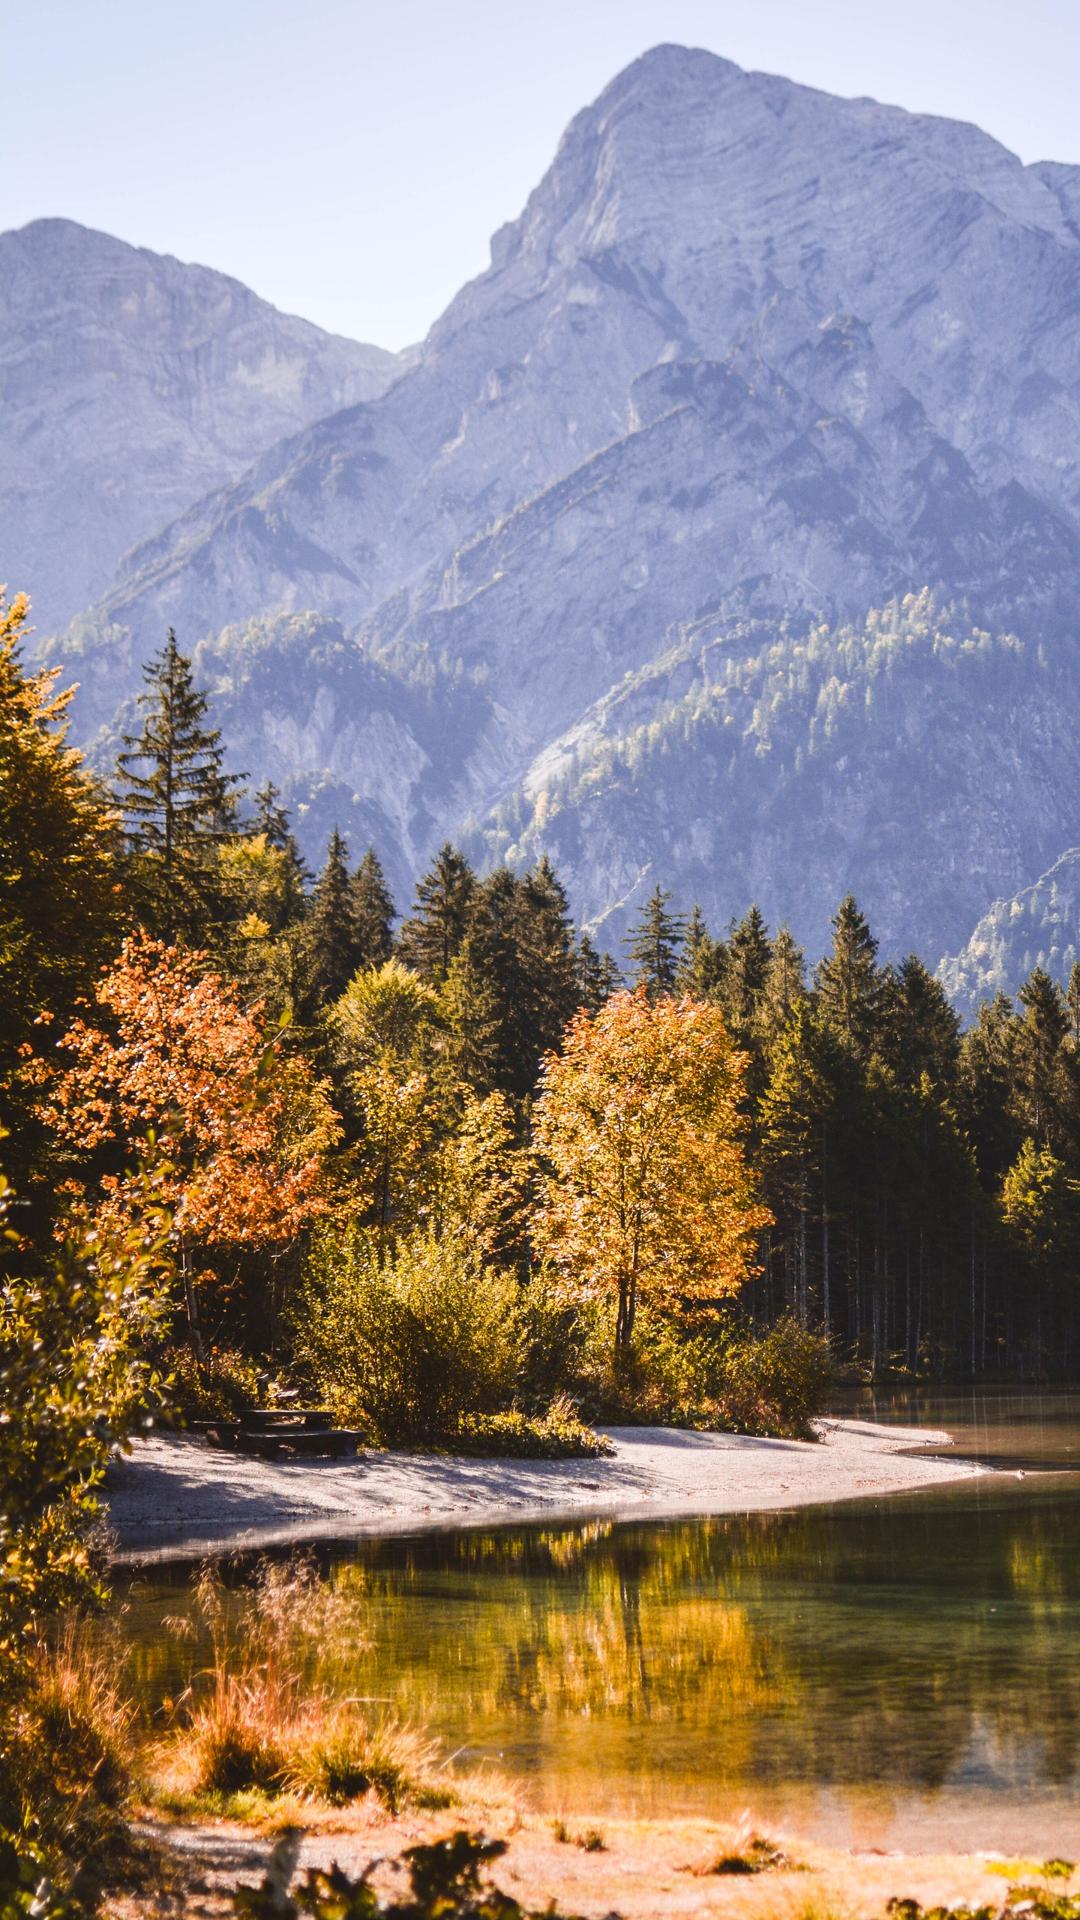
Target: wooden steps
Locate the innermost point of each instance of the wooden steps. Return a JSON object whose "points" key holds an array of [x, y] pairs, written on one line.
{"points": [[281, 1432]]}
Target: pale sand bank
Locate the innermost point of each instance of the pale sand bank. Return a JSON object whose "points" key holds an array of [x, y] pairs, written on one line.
{"points": [[175, 1497]]}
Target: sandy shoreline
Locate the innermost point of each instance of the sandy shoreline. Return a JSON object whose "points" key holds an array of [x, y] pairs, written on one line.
{"points": [[175, 1498]]}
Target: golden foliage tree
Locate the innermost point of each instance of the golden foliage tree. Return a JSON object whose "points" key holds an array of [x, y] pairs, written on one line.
{"points": [[384, 1027], [639, 1121], [174, 1053]]}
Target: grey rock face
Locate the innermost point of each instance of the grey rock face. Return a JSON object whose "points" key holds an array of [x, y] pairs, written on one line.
{"points": [[1038, 927], [752, 362], [130, 385]]}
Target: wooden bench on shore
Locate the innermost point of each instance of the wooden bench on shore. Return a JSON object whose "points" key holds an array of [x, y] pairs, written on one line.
{"points": [[296, 1432]]}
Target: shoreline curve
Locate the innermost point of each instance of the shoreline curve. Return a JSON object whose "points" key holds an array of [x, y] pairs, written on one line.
{"points": [[176, 1499]]}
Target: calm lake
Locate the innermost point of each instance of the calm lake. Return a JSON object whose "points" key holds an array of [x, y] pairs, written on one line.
{"points": [[874, 1673]]}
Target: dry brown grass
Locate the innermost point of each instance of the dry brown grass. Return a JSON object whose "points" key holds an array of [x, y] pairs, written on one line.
{"points": [[259, 1723]]}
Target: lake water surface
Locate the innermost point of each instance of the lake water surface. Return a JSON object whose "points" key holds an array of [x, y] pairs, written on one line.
{"points": [[876, 1673]]}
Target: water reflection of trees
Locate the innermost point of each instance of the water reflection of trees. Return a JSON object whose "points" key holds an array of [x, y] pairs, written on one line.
{"points": [[907, 1646]]}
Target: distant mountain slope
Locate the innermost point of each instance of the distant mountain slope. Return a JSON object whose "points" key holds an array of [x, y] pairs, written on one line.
{"points": [[753, 360], [131, 384], [1038, 927], [787, 767]]}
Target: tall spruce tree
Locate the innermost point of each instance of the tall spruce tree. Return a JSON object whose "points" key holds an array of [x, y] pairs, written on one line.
{"points": [[549, 962], [785, 984], [61, 907], [372, 912], [746, 972], [440, 916], [598, 976], [177, 799], [702, 961], [335, 953], [1045, 1089], [655, 945], [848, 981]]}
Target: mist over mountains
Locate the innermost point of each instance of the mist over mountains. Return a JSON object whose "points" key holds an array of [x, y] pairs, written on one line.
{"points": [[724, 533]]}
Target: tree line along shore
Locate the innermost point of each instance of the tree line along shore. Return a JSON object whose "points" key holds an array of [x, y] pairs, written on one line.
{"points": [[462, 1177]]}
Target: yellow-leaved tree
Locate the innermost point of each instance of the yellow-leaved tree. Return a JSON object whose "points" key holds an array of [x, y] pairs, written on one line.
{"points": [[647, 1195]]}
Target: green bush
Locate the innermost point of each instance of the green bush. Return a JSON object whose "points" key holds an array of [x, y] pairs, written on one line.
{"points": [[226, 1383], [558, 1434], [409, 1349], [775, 1383], [713, 1372]]}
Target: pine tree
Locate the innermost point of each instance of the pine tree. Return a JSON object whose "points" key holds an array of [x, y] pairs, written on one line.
{"points": [[1044, 1093], [702, 961], [805, 1079], [655, 944], [471, 1013], [746, 971], [920, 1032], [848, 982], [178, 800], [1072, 1002], [598, 976], [785, 984], [61, 909], [335, 953], [548, 963], [440, 916], [372, 911]]}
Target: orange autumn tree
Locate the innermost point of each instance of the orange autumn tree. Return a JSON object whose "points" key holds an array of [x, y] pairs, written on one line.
{"points": [[639, 1121], [243, 1126]]}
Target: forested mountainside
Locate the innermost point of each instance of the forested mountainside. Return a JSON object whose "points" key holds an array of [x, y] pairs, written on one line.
{"points": [[598, 573], [131, 385], [1038, 927]]}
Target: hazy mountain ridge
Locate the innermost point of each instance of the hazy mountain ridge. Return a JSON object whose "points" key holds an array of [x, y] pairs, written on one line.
{"points": [[750, 355], [131, 384]]}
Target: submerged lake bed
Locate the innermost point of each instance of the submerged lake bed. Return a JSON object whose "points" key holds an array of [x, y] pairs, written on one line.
{"points": [[874, 1673]]}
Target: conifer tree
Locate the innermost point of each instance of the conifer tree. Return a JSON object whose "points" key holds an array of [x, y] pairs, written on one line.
{"points": [[655, 944], [920, 1031], [848, 982], [470, 1009], [746, 971], [272, 820], [549, 962], [1072, 1002], [60, 904], [598, 976], [440, 916], [335, 953], [1045, 1087], [177, 798], [785, 984], [372, 912], [805, 1082], [702, 961]]}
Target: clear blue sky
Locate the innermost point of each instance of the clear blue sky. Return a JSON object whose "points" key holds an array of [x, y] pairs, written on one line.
{"points": [[349, 159]]}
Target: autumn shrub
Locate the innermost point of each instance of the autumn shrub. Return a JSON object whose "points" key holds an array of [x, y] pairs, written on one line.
{"points": [[410, 1348]]}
